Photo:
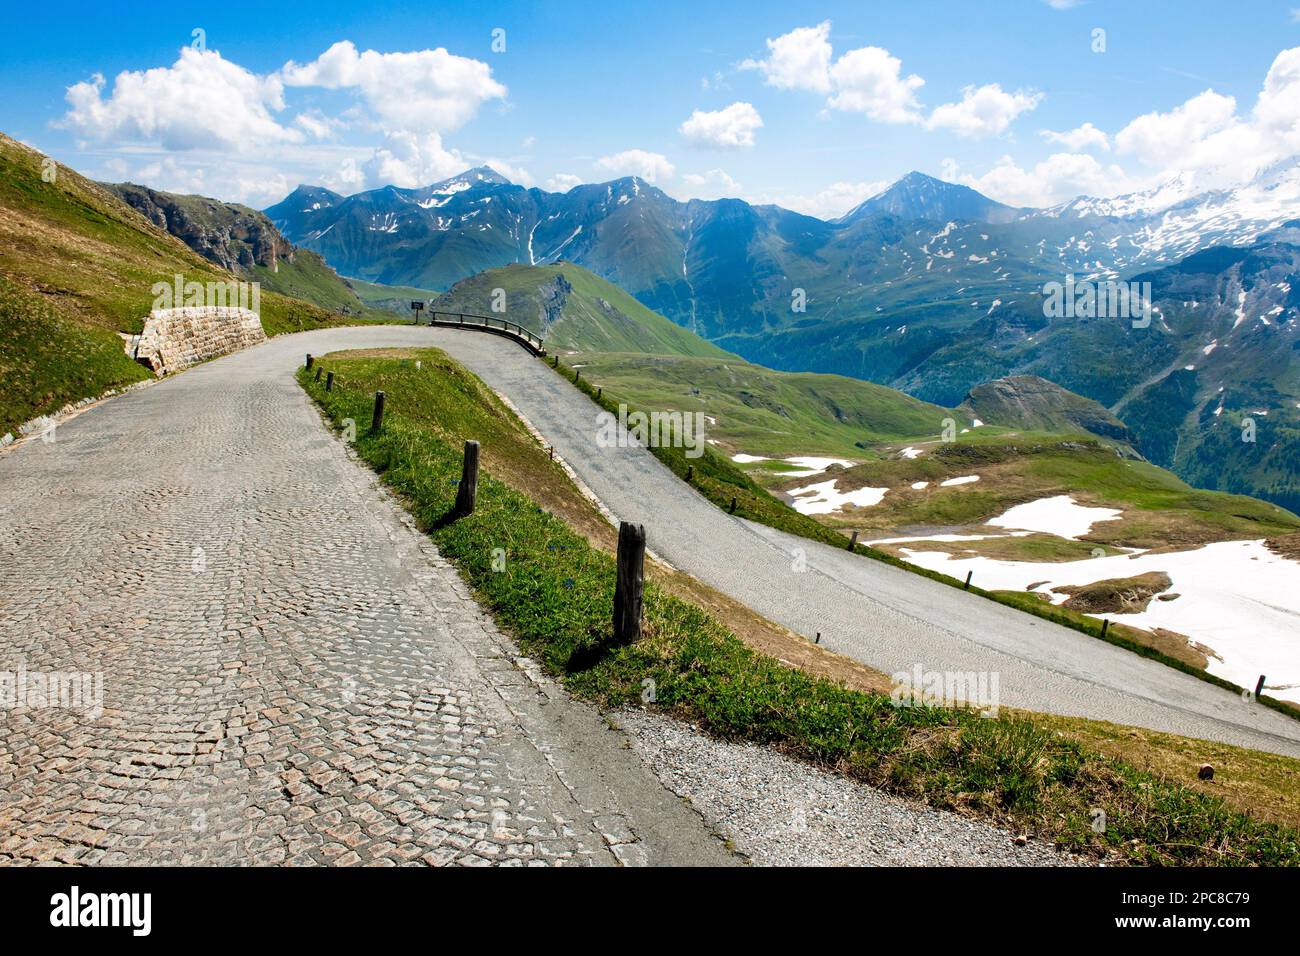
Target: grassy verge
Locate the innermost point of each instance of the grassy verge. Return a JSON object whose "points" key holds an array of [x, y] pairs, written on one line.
{"points": [[553, 590], [722, 483]]}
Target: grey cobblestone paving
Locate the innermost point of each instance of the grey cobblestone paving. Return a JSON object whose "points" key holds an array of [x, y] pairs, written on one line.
{"points": [[292, 675]]}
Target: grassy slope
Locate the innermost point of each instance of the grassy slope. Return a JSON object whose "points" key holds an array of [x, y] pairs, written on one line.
{"points": [[596, 316], [555, 592], [393, 298], [77, 266]]}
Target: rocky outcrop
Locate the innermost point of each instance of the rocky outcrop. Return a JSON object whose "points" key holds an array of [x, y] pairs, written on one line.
{"points": [[233, 236], [175, 339], [1037, 404]]}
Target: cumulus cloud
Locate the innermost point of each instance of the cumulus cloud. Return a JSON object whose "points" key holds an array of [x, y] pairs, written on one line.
{"points": [[201, 101], [1155, 137], [1086, 136], [833, 201], [714, 184], [1056, 179], [798, 60], [420, 90], [729, 128], [983, 111], [651, 167], [410, 159], [869, 80], [563, 182]]}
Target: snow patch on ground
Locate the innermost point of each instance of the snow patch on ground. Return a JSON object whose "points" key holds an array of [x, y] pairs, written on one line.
{"points": [[822, 498], [1236, 597], [963, 480], [1060, 516]]}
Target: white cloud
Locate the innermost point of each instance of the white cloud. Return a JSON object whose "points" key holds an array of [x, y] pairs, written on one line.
{"points": [[410, 159], [516, 174], [201, 101], [423, 90], [869, 80], [714, 184], [1086, 136], [798, 60], [651, 167], [729, 128], [1157, 137], [983, 111], [833, 201], [563, 182], [1058, 178]]}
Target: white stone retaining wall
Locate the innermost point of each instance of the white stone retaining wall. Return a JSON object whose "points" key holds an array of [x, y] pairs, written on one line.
{"points": [[174, 339]]}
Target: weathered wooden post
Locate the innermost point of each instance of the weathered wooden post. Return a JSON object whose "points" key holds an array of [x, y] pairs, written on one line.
{"points": [[629, 588], [377, 421], [732, 509], [600, 390], [1105, 627], [467, 492], [1259, 686], [853, 541], [690, 473], [309, 361], [329, 382], [577, 374], [318, 371], [966, 586]]}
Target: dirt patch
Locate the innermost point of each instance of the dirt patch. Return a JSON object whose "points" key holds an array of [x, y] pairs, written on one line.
{"points": [[1286, 545], [1116, 595]]}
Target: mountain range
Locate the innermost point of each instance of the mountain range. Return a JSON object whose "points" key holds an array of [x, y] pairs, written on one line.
{"points": [[929, 286]]}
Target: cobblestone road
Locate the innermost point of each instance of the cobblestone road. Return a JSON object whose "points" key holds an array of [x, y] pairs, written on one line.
{"points": [[291, 674]]}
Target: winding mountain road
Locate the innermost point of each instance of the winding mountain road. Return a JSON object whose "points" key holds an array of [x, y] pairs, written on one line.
{"points": [[878, 614], [292, 674]]}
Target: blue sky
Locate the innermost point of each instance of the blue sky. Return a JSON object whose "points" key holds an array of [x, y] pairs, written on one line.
{"points": [[810, 105]]}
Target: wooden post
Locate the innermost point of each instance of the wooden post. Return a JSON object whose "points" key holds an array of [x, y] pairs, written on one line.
{"points": [[853, 541], [1259, 686], [629, 588], [329, 382], [552, 451], [690, 473], [819, 638], [732, 509], [577, 374], [600, 390], [467, 493], [1105, 626], [309, 361], [966, 586], [318, 373], [378, 419]]}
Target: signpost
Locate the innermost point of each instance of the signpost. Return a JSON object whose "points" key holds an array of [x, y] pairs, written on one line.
{"points": [[416, 307]]}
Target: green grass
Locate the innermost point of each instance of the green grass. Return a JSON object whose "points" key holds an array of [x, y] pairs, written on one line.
{"points": [[585, 312], [554, 593], [720, 481]]}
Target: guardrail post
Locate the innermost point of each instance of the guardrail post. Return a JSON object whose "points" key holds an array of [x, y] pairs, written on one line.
{"points": [[377, 421], [629, 587], [329, 382], [467, 492]]}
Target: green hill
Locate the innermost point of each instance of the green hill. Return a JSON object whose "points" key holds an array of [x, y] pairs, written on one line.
{"points": [[573, 309], [77, 266]]}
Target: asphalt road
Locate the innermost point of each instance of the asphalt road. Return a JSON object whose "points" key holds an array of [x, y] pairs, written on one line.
{"points": [[883, 616]]}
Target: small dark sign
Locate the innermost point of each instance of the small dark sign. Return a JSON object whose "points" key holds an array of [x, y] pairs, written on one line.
{"points": [[417, 305]]}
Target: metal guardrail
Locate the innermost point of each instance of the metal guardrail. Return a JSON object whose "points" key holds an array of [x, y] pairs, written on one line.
{"points": [[487, 323]]}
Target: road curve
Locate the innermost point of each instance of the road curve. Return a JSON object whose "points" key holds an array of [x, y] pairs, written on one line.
{"points": [[883, 616], [878, 614]]}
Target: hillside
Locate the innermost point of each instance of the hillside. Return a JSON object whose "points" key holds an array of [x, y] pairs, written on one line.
{"points": [[76, 269], [1035, 404], [243, 241], [572, 309]]}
